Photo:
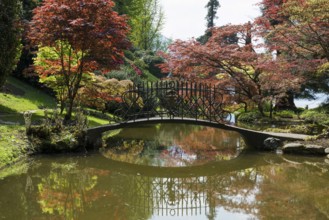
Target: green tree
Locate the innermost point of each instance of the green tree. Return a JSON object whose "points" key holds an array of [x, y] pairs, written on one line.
{"points": [[23, 69], [124, 7], [212, 7], [10, 32], [146, 19]]}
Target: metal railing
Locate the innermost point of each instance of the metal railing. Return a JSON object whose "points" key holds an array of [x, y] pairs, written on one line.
{"points": [[173, 99]]}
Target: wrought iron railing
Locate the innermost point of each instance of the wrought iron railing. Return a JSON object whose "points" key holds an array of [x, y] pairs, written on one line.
{"points": [[173, 99]]}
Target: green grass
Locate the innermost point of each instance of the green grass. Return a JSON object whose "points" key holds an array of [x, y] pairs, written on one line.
{"points": [[13, 143], [23, 97], [94, 122], [32, 99]]}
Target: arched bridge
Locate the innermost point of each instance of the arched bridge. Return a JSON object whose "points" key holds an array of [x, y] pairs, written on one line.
{"points": [[174, 99], [179, 102]]}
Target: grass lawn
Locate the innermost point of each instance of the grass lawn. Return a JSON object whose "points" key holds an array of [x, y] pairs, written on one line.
{"points": [[13, 143], [18, 98], [21, 97]]}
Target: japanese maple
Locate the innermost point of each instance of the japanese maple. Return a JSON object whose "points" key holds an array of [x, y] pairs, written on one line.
{"points": [[300, 33], [83, 36], [252, 77]]}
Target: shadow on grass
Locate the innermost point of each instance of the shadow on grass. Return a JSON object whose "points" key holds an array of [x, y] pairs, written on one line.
{"points": [[6, 110], [18, 119], [34, 95]]}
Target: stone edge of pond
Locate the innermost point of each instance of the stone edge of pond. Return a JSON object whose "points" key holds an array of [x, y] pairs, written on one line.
{"points": [[296, 147]]}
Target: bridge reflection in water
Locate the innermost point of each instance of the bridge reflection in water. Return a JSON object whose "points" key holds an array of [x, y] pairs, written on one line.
{"points": [[93, 187], [193, 196], [173, 169], [207, 191]]}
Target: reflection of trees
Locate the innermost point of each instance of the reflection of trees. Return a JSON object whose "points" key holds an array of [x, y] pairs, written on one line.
{"points": [[281, 191], [173, 145], [236, 191], [67, 191], [294, 193], [122, 150], [210, 142], [194, 196]]}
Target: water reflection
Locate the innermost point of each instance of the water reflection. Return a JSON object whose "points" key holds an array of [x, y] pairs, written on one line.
{"points": [[261, 186], [172, 145]]}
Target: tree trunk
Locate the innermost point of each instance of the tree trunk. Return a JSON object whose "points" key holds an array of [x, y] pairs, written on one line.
{"points": [[68, 114], [286, 102], [260, 108], [245, 106], [271, 108], [62, 106]]}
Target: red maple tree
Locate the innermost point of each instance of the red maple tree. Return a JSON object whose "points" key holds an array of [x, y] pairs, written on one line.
{"points": [[253, 77], [83, 35], [299, 31]]}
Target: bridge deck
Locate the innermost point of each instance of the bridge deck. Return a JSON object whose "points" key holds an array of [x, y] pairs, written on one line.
{"points": [[288, 135]]}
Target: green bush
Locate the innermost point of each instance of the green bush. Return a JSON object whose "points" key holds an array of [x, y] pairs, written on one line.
{"points": [[315, 117], [54, 136], [285, 114], [309, 129], [125, 72], [249, 116]]}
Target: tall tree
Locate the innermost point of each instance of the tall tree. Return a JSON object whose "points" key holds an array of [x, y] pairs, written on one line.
{"points": [[212, 7], [146, 24], [10, 32], [26, 57], [82, 36], [146, 19]]}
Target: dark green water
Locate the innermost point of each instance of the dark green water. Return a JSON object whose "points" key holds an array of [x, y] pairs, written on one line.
{"points": [[167, 172]]}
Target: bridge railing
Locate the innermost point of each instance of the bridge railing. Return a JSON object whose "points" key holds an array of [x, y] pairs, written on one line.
{"points": [[174, 99]]}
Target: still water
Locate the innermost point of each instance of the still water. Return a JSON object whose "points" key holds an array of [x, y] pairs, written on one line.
{"points": [[167, 171]]}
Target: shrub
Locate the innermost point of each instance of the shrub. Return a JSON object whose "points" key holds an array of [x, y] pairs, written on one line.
{"points": [[249, 116], [315, 117], [285, 114], [309, 129], [53, 136]]}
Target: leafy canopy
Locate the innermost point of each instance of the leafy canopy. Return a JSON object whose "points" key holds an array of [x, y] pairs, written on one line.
{"points": [[81, 37]]}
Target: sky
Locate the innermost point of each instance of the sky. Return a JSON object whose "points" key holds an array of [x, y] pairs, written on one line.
{"points": [[185, 19]]}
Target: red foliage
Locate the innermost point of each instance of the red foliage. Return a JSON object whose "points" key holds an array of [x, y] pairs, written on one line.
{"points": [[251, 75], [92, 27], [301, 30], [87, 36]]}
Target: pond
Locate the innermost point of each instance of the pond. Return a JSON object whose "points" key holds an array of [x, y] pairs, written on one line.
{"points": [[167, 171]]}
